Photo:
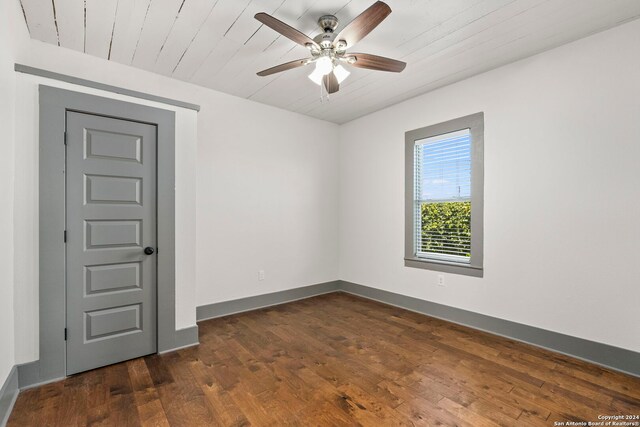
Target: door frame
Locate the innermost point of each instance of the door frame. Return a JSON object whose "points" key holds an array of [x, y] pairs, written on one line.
{"points": [[54, 104]]}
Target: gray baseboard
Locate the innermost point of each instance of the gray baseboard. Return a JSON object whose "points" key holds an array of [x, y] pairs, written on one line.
{"points": [[225, 308], [186, 337], [615, 358], [8, 395], [29, 375]]}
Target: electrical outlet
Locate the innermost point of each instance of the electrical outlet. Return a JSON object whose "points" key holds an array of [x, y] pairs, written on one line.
{"points": [[440, 280], [260, 274]]}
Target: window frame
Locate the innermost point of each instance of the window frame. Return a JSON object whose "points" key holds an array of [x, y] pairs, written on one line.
{"points": [[475, 124]]}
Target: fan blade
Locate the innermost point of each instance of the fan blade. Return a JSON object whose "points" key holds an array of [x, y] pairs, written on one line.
{"points": [[374, 62], [286, 30], [364, 23], [284, 67], [331, 83]]}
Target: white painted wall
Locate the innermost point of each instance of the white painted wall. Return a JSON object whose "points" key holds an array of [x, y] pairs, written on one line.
{"points": [[267, 200], [7, 97], [562, 191], [252, 186]]}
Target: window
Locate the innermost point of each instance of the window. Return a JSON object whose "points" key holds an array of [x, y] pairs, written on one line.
{"points": [[444, 206]]}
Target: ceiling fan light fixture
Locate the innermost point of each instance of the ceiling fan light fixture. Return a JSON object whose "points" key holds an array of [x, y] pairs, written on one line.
{"points": [[328, 50], [341, 73]]}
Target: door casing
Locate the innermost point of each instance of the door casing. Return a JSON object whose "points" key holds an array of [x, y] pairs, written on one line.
{"points": [[54, 103]]}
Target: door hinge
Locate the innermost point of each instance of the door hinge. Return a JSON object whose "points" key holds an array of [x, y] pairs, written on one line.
{"points": [[65, 334], [65, 236], [65, 137]]}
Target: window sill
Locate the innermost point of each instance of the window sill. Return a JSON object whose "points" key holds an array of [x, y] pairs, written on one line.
{"points": [[444, 266]]}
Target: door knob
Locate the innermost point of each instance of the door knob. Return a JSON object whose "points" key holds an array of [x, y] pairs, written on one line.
{"points": [[148, 250]]}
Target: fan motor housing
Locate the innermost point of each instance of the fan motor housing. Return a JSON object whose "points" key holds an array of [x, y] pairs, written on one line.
{"points": [[325, 40]]}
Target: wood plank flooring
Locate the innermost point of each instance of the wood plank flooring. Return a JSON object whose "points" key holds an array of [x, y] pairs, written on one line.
{"points": [[335, 360]]}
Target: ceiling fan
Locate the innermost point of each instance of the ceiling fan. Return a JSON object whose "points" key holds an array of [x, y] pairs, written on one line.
{"points": [[328, 49]]}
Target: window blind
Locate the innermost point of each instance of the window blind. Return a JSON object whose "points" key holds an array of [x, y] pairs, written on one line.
{"points": [[442, 199]]}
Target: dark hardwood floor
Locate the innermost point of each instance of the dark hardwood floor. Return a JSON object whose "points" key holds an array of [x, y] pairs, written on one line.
{"points": [[336, 360]]}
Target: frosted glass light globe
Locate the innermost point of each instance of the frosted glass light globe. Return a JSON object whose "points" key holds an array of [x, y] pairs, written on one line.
{"points": [[324, 65], [341, 73]]}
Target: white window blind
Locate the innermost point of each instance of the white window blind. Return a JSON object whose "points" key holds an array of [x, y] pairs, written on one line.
{"points": [[442, 197]]}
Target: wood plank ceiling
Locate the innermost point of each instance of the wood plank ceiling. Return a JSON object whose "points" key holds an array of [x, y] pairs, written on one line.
{"points": [[218, 44]]}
